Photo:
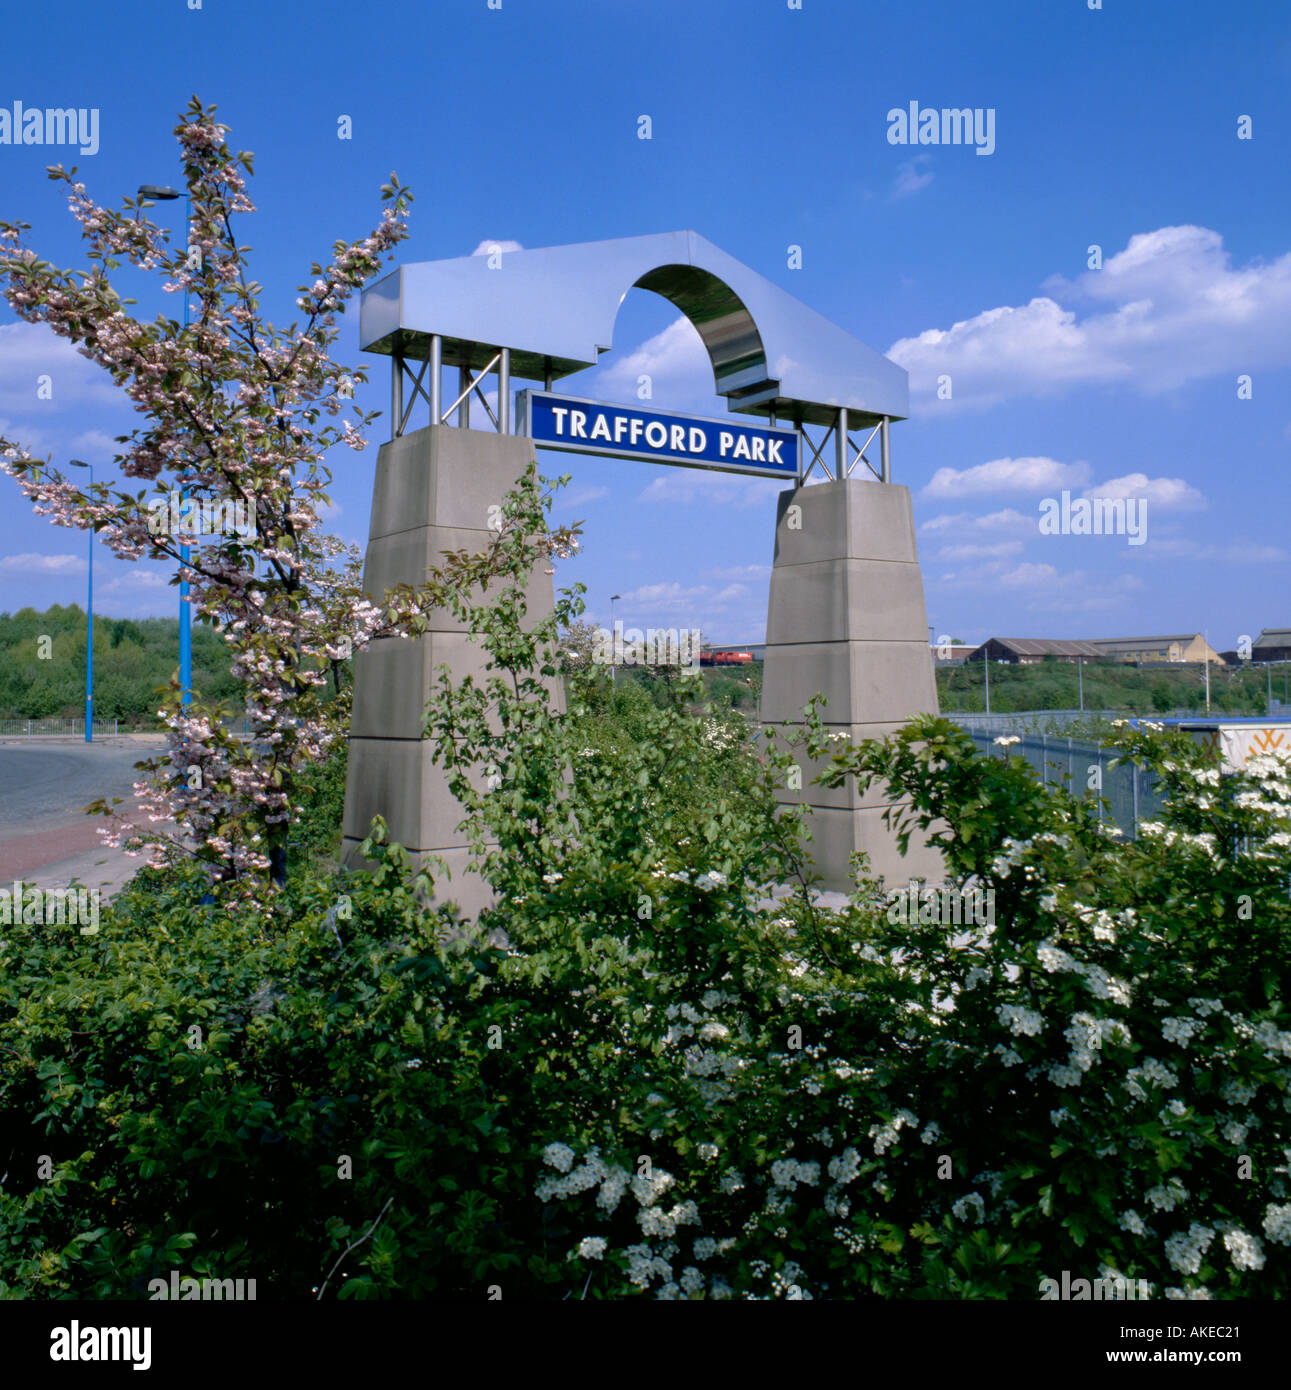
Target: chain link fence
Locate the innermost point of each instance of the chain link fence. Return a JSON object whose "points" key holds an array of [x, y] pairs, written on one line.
{"points": [[1084, 769]]}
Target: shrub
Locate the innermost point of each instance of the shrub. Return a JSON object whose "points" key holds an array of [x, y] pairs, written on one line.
{"points": [[641, 1072]]}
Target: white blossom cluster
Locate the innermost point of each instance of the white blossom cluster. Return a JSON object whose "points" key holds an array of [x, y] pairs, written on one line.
{"points": [[787, 1173], [1247, 1251], [1168, 1196], [654, 1221], [974, 1200], [885, 1135], [846, 1167], [1277, 1223], [1236, 1092], [559, 1156], [853, 1243], [1185, 1250], [1020, 1020], [1235, 1133], [1011, 856], [1274, 1041], [1204, 842], [1153, 1071], [1180, 1030]]}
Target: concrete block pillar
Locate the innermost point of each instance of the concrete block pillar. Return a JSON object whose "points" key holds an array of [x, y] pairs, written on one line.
{"points": [[433, 491], [846, 617]]}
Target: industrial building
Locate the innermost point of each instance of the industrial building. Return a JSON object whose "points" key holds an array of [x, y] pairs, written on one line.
{"points": [[1175, 649]]}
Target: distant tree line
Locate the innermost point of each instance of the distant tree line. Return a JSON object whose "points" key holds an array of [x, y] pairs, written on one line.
{"points": [[133, 659]]}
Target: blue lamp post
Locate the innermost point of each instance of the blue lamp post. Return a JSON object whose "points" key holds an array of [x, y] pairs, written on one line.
{"points": [[163, 194], [89, 629]]}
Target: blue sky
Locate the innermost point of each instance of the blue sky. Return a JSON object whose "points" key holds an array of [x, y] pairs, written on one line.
{"points": [[1115, 127]]}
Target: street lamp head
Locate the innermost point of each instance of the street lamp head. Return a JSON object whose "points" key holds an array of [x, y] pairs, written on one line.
{"points": [[615, 597], [80, 463], [158, 192]]}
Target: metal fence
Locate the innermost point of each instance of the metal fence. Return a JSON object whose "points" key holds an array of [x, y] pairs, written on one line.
{"points": [[1131, 791], [1037, 721], [63, 727]]}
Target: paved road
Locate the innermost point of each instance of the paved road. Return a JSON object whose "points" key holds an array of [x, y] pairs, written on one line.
{"points": [[45, 836]]}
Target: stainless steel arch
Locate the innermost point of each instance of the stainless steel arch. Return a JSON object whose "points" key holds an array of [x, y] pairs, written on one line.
{"points": [[553, 309]]}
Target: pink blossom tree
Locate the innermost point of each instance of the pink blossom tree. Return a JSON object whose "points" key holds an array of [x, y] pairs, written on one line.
{"points": [[237, 411]]}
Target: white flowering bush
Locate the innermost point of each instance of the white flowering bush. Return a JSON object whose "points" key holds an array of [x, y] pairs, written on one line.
{"points": [[648, 1073], [760, 1099]]}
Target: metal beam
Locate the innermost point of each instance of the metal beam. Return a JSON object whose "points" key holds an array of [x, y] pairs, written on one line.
{"points": [[436, 384], [504, 391], [396, 397], [474, 385]]}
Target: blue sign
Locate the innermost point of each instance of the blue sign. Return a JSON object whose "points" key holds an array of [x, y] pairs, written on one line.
{"points": [[620, 431]]}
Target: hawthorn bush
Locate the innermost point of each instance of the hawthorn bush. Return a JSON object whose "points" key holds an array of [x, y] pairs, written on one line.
{"points": [[646, 1071]]}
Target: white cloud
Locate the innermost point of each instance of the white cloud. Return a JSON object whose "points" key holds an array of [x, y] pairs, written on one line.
{"points": [[1168, 309], [580, 496], [1005, 522], [668, 594], [29, 351], [1043, 588], [99, 446], [1028, 575], [692, 606], [911, 177], [674, 358], [1171, 493], [37, 442], [739, 572], [489, 245], [1238, 553], [1001, 550], [1006, 475], [687, 485], [44, 564], [137, 578]]}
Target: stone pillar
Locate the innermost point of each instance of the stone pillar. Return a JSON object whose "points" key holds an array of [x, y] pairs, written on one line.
{"points": [[846, 617], [433, 491]]}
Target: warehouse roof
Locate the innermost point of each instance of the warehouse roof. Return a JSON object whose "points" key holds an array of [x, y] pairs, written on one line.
{"points": [[1046, 646]]}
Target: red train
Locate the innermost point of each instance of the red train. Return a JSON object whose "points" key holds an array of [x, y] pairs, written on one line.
{"points": [[725, 658]]}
